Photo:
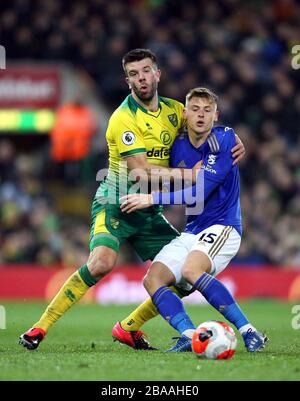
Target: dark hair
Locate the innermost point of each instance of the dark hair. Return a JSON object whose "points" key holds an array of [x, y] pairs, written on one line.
{"points": [[137, 55], [202, 92]]}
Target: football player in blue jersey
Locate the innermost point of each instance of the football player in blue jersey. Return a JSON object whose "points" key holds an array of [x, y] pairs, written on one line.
{"points": [[212, 237]]}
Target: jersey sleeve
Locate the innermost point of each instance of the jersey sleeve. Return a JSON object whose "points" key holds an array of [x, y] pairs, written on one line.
{"points": [[127, 135]]}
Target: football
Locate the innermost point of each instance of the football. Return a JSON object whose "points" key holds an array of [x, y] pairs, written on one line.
{"points": [[214, 340]]}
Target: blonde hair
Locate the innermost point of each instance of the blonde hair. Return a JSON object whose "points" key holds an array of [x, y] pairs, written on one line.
{"points": [[202, 93]]}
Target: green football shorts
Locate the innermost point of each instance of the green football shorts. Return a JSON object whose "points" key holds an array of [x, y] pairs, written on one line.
{"points": [[147, 230]]}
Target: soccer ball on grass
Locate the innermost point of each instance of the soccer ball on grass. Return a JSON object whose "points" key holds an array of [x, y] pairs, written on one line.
{"points": [[214, 340]]}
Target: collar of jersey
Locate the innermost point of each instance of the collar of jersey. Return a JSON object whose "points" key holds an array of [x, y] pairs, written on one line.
{"points": [[137, 105], [201, 147]]}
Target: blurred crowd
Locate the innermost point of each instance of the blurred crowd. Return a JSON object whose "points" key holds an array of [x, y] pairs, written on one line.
{"points": [[31, 229], [241, 50]]}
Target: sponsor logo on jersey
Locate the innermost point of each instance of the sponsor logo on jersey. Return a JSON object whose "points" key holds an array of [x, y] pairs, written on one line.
{"points": [[128, 138], [160, 153], [173, 119], [209, 169], [165, 137]]}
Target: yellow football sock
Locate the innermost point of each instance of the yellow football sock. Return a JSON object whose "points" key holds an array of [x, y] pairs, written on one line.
{"points": [[141, 314], [71, 292]]}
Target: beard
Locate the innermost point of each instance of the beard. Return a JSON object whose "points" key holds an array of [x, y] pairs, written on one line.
{"points": [[146, 96]]}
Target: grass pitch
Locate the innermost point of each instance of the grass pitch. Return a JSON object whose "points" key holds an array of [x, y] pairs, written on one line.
{"points": [[80, 347]]}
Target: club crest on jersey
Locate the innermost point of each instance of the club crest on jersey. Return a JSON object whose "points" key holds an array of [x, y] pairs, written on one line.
{"points": [[212, 159], [173, 119], [114, 223], [128, 138]]}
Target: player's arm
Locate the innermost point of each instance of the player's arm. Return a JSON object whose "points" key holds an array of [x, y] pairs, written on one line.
{"points": [[132, 150], [185, 196], [238, 151], [206, 182], [158, 173]]}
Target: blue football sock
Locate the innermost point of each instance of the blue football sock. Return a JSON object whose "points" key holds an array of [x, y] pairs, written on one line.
{"points": [[172, 309], [220, 298]]}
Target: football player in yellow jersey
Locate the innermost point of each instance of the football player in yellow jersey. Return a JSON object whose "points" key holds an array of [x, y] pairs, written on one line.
{"points": [[140, 132]]}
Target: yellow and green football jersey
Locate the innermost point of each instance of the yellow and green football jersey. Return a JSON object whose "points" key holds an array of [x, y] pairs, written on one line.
{"points": [[132, 130]]}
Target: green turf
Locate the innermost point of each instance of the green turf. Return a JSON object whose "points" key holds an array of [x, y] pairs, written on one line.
{"points": [[80, 347]]}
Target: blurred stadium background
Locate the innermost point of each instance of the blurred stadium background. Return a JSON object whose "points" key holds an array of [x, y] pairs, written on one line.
{"points": [[63, 79]]}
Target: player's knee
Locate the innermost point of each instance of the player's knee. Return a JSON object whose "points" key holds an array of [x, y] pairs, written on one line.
{"points": [[190, 274], [186, 273], [148, 281], [152, 282], [100, 265], [154, 279], [100, 268]]}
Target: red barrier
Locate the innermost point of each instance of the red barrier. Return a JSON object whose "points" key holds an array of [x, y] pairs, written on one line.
{"points": [[24, 281], [124, 284]]}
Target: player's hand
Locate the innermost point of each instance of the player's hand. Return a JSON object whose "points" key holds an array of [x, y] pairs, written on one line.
{"points": [[195, 170], [238, 151], [132, 202]]}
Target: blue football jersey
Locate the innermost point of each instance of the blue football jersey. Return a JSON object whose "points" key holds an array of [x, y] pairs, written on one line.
{"points": [[221, 179]]}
